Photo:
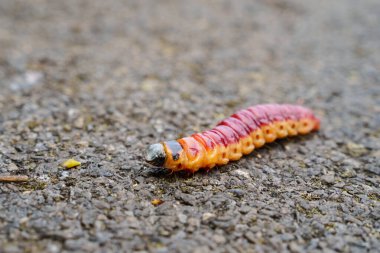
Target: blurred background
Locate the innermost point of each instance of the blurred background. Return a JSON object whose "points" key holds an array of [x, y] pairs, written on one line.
{"points": [[100, 80], [201, 59]]}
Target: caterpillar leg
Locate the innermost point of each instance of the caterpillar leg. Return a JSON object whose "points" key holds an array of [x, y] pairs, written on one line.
{"points": [[305, 126], [292, 126], [247, 145], [234, 151], [281, 129], [222, 155], [258, 138], [269, 132]]}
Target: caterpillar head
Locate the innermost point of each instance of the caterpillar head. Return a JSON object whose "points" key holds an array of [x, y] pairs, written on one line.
{"points": [[156, 155]]}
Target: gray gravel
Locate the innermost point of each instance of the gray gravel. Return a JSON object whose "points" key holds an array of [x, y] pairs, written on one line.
{"points": [[98, 81]]}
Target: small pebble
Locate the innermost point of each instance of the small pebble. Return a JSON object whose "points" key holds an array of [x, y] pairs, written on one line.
{"points": [[356, 149], [328, 178], [349, 173], [208, 216]]}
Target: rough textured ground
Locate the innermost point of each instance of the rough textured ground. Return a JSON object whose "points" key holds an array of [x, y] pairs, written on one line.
{"points": [[99, 80]]}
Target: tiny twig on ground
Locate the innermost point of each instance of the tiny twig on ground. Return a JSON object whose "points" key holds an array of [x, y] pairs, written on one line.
{"points": [[15, 178]]}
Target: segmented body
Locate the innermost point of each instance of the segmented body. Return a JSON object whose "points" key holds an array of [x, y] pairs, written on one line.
{"points": [[238, 135]]}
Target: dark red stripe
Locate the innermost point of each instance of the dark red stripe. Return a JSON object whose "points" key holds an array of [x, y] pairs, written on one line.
{"points": [[206, 141], [247, 119], [273, 112], [239, 127], [287, 112], [259, 115], [218, 140], [228, 133]]}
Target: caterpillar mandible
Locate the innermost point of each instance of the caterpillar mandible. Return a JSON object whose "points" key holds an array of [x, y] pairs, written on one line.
{"points": [[233, 137]]}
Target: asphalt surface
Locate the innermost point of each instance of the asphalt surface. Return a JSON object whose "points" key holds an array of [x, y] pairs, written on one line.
{"points": [[97, 81]]}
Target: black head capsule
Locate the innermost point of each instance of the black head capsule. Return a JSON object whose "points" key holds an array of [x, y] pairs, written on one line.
{"points": [[156, 155]]}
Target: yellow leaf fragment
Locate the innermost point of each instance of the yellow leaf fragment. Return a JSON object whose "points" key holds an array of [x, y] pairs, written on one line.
{"points": [[71, 163], [157, 202]]}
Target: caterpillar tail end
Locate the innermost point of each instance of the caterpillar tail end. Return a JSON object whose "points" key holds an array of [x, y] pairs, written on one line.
{"points": [[156, 155]]}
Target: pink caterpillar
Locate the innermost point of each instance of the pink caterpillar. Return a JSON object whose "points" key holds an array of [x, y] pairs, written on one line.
{"points": [[233, 137]]}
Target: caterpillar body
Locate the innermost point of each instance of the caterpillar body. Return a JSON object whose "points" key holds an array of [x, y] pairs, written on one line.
{"points": [[233, 137]]}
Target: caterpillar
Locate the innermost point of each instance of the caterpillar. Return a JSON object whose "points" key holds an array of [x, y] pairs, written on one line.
{"points": [[233, 137]]}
